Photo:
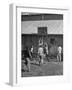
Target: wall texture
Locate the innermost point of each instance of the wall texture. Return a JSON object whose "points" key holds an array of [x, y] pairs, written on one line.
{"points": [[53, 26]]}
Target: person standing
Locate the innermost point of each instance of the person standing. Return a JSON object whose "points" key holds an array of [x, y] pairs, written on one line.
{"points": [[59, 53], [41, 54], [27, 57]]}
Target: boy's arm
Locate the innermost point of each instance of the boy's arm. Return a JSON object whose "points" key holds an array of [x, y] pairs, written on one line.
{"points": [[30, 54]]}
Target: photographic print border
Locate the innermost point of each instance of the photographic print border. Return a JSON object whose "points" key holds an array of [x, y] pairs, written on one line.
{"points": [[14, 35]]}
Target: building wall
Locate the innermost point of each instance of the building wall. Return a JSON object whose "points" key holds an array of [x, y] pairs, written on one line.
{"points": [[53, 26], [32, 39], [30, 33]]}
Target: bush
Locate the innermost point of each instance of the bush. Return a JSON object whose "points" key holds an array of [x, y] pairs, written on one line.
{"points": [[53, 51]]}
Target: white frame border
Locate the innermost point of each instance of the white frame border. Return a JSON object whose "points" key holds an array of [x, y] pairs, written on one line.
{"points": [[15, 47]]}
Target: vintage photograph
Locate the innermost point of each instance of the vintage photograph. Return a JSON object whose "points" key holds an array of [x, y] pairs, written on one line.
{"points": [[41, 44]]}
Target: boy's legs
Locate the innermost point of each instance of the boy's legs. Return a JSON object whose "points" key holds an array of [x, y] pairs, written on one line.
{"points": [[42, 59], [47, 57], [39, 59], [28, 64], [60, 57]]}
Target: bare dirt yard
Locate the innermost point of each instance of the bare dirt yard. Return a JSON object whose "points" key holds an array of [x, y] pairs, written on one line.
{"points": [[46, 69]]}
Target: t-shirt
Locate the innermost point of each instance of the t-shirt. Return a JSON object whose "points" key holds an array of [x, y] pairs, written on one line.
{"points": [[40, 50], [59, 49]]}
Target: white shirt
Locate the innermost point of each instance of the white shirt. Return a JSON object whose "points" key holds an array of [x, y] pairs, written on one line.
{"points": [[40, 50], [32, 49], [59, 49]]}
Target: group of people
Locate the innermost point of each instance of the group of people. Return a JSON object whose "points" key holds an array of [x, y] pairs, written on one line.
{"points": [[43, 51]]}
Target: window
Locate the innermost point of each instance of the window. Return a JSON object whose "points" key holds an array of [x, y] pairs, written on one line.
{"points": [[42, 30]]}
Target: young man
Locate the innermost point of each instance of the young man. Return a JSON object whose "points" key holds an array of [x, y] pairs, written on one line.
{"points": [[27, 56], [59, 53], [41, 54]]}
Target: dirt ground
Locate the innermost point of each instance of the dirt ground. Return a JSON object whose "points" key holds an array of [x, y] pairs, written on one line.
{"points": [[46, 69]]}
